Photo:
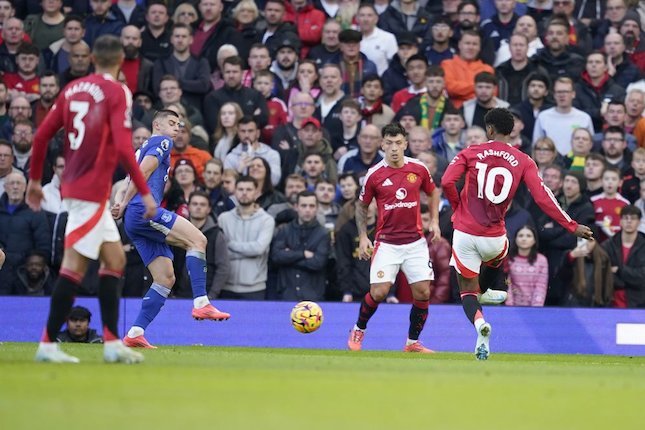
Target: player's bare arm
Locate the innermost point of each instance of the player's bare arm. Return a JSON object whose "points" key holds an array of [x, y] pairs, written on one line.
{"points": [[433, 204], [365, 246], [148, 165]]}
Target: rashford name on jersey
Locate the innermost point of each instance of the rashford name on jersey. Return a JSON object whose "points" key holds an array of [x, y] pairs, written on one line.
{"points": [[397, 192]]}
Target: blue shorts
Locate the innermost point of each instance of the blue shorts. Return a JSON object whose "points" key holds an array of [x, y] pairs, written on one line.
{"points": [[149, 235]]}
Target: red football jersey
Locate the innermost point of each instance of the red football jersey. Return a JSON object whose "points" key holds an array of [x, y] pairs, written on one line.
{"points": [[94, 112], [397, 193], [14, 81], [494, 171], [608, 212]]}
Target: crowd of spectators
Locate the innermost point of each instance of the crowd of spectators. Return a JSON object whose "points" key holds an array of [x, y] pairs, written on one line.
{"points": [[282, 103]]}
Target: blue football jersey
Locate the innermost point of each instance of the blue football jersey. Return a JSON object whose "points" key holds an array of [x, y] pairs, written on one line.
{"points": [[158, 147]]}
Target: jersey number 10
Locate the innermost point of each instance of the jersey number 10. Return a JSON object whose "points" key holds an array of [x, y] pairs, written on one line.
{"points": [[486, 182], [80, 108]]}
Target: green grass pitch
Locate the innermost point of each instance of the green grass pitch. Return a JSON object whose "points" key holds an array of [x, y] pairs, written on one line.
{"points": [[194, 388]]}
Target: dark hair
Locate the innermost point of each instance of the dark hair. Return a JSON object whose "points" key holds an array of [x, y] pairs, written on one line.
{"points": [[181, 25], [631, 210], [468, 3], [324, 180], [350, 103], [417, 57], [486, 78], [558, 19], [451, 110], [473, 33], [597, 157], [280, 2], [597, 52], [259, 45], [296, 177], [424, 208], [49, 74], [246, 178], [501, 119], [71, 18], [162, 113], [267, 185], [614, 129], [233, 61], [307, 193], [168, 77], [536, 76], [264, 74], [372, 77], [554, 166], [248, 119], [157, 3], [370, 5], [4, 142], [614, 102], [533, 253], [199, 193], [394, 129], [614, 169], [107, 50], [26, 48], [434, 71], [349, 174]]}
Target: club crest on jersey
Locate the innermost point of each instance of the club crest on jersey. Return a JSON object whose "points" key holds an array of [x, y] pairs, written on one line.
{"points": [[166, 217], [401, 193], [412, 178], [380, 274], [164, 144]]}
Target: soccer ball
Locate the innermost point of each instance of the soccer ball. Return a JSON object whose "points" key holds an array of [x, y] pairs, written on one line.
{"points": [[306, 317]]}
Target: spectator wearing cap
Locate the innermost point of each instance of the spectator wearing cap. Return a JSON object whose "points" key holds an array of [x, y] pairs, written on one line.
{"points": [[378, 45], [395, 78], [250, 100], [248, 147], [634, 39], [193, 74], [407, 15], [274, 23], [183, 150], [557, 57], [513, 73], [619, 66], [285, 66], [354, 65], [501, 24], [212, 31], [329, 45], [596, 88], [416, 68], [468, 19], [462, 69], [311, 141], [309, 21], [440, 48], [527, 26], [78, 328]]}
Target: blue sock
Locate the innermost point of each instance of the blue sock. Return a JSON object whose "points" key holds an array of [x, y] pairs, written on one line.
{"points": [[152, 303], [196, 264]]}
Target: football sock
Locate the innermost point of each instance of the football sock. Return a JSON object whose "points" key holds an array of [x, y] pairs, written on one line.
{"points": [[418, 316], [472, 308], [368, 307], [196, 264], [488, 277], [61, 303], [109, 302], [152, 303]]}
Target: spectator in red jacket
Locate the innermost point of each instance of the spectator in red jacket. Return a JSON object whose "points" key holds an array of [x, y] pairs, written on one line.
{"points": [[309, 22]]}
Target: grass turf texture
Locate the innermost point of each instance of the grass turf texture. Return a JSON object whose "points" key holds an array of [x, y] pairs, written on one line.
{"points": [[242, 388]]}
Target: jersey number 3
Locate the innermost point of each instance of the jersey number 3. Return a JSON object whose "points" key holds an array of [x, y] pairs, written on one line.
{"points": [[80, 109], [486, 182]]}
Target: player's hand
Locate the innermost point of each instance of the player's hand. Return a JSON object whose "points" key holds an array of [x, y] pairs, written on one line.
{"points": [[584, 232], [365, 248], [151, 206], [434, 228], [34, 195], [116, 210]]}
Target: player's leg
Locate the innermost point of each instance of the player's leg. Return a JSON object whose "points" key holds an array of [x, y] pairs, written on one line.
{"points": [[386, 261], [112, 264], [489, 275], [163, 278], [467, 261], [418, 271], [185, 235], [71, 274]]}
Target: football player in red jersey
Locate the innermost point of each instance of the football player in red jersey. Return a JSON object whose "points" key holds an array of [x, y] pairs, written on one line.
{"points": [[95, 113], [396, 183], [493, 171]]}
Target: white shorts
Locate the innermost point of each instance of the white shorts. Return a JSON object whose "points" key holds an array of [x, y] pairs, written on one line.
{"points": [[469, 252], [412, 258], [89, 224]]}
